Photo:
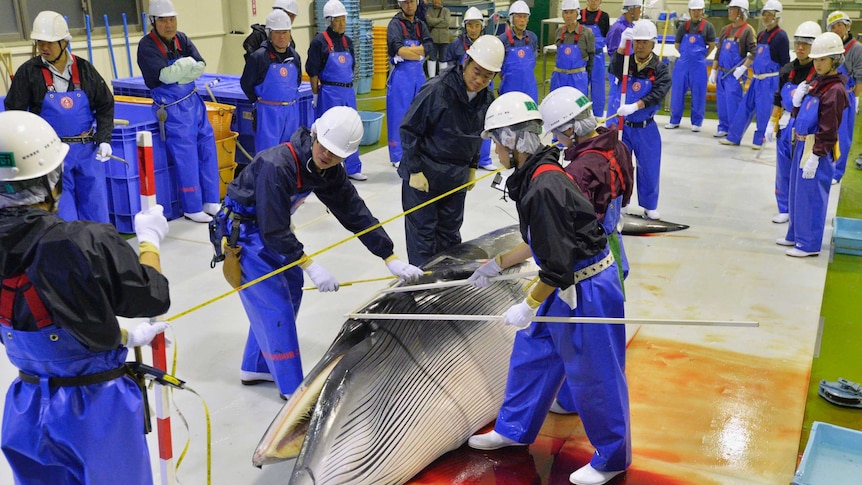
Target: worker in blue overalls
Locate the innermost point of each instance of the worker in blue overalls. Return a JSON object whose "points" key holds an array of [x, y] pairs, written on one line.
{"points": [[72, 415], [648, 83], [780, 127], [631, 12], [170, 63], [819, 108], [330, 70], [594, 19], [839, 23], [577, 277], [456, 53], [69, 93], [408, 42], [773, 51], [519, 67], [262, 199], [735, 53], [576, 49], [271, 80], [695, 40]]}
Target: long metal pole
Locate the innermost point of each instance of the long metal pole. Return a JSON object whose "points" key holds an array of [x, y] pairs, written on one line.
{"points": [[128, 48], [594, 320], [449, 284], [110, 45], [89, 38]]}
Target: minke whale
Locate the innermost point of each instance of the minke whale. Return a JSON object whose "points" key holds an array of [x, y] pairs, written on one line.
{"points": [[639, 226], [391, 396]]}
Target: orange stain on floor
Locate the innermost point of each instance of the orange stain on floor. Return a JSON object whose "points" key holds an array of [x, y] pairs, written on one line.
{"points": [[699, 416]]}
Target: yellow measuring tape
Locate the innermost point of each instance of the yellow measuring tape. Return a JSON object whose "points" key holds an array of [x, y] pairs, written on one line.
{"points": [[339, 243]]}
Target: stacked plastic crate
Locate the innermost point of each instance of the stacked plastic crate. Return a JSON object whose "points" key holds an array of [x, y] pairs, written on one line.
{"points": [[381, 58], [366, 56]]}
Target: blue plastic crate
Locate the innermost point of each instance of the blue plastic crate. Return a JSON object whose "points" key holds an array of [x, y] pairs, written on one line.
{"points": [[124, 197], [832, 455], [847, 235]]}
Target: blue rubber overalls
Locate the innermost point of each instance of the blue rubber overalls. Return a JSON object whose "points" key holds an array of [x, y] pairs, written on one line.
{"points": [[848, 119], [190, 139], [70, 434], [571, 67], [519, 66], [728, 90], [485, 149], [597, 77], [336, 89], [808, 197], [758, 99], [641, 135], [404, 83], [689, 73], [85, 190], [276, 111], [272, 345], [784, 144], [587, 358]]}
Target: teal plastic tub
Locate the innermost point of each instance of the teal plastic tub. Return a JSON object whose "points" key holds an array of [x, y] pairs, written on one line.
{"points": [[833, 456], [372, 123]]}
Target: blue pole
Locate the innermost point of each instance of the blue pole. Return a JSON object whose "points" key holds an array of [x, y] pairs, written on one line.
{"points": [[144, 22], [110, 45], [128, 49], [89, 38]]}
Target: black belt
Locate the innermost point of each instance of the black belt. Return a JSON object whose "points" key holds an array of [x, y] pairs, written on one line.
{"points": [[77, 139], [340, 85], [73, 381], [638, 124]]}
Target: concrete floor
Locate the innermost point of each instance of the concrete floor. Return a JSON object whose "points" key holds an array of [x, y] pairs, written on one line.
{"points": [[709, 405]]}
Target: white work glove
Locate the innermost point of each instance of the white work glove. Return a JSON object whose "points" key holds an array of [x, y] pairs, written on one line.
{"points": [[769, 134], [627, 35], [103, 154], [314, 101], [418, 182], [144, 333], [857, 105], [784, 120], [323, 279], [713, 77], [627, 109], [799, 93], [810, 167], [481, 277], [151, 225], [396, 59], [739, 72], [407, 273], [421, 58], [177, 71], [519, 315]]}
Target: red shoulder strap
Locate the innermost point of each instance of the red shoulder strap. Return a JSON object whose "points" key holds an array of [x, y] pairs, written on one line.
{"points": [[550, 167], [9, 288], [76, 77], [161, 46], [616, 170], [298, 168], [509, 34], [848, 45]]}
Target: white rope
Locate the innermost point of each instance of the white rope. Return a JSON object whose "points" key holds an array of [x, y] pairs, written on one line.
{"points": [[594, 320]]}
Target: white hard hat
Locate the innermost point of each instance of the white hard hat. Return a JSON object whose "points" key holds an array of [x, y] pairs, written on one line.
{"points": [[743, 4], [339, 130], [288, 6], [562, 105], [50, 27], [837, 16], [334, 8], [571, 5], [807, 30], [473, 13], [696, 5], [627, 4], [29, 147], [519, 7], [162, 8], [827, 44], [510, 109], [277, 20], [771, 6], [644, 30], [488, 52]]}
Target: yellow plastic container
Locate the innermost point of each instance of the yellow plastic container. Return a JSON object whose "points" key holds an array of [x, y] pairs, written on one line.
{"points": [[132, 99], [226, 149], [378, 80], [220, 116]]}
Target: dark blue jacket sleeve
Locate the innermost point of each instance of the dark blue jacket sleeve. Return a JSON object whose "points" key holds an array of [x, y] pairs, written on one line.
{"points": [[318, 52], [394, 37], [274, 186], [254, 72], [343, 201], [779, 48]]}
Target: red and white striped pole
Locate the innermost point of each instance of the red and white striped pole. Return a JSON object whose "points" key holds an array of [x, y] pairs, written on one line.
{"points": [[147, 177], [625, 81]]}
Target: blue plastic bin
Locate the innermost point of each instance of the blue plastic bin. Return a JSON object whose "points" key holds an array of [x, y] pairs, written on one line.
{"points": [[372, 124], [833, 455]]}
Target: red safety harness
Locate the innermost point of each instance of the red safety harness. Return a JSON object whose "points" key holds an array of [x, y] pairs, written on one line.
{"points": [[161, 45], [76, 78], [13, 286], [699, 26], [577, 34], [771, 36], [595, 20], [616, 170], [550, 167], [343, 41], [298, 168]]}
